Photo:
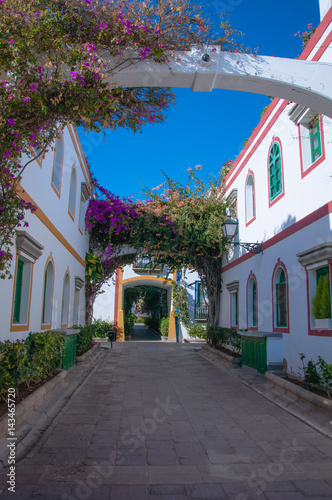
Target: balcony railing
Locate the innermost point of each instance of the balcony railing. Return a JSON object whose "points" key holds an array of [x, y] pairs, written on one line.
{"points": [[201, 312], [145, 265]]}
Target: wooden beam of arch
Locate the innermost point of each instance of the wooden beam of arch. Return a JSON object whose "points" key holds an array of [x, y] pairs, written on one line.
{"points": [[308, 83]]}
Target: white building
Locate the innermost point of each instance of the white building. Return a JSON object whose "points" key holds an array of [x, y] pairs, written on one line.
{"points": [[282, 185], [47, 290]]}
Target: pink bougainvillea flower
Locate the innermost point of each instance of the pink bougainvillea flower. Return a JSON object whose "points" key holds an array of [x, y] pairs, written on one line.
{"points": [[7, 153], [103, 26], [26, 99], [33, 86], [11, 121]]}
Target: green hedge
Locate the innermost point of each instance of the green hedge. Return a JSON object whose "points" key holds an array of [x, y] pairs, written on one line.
{"points": [[164, 325], [129, 321], [84, 338], [29, 360], [152, 323], [197, 331], [224, 337], [102, 326], [139, 319]]}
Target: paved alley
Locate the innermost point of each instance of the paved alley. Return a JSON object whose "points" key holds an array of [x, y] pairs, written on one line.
{"points": [[155, 420]]}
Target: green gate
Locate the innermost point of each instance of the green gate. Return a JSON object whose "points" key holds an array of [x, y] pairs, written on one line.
{"points": [[254, 353], [70, 351]]}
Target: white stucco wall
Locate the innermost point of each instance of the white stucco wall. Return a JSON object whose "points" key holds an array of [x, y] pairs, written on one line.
{"points": [[58, 233]]}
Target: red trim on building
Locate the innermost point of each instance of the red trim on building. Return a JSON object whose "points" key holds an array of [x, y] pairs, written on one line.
{"points": [[306, 52], [321, 28], [282, 194], [252, 276], [248, 222], [257, 144], [289, 231], [320, 159], [280, 329]]}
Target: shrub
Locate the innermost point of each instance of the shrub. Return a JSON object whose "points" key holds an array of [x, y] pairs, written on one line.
{"points": [[29, 360], [318, 373], [84, 338], [102, 327], [129, 321], [198, 331], [152, 323], [139, 319], [164, 325], [321, 302], [224, 337]]}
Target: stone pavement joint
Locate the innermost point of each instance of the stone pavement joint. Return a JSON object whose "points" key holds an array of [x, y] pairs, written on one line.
{"points": [[155, 420]]}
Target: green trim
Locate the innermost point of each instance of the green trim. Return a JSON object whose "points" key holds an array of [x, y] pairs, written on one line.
{"points": [[254, 304], [315, 141], [281, 290], [44, 298], [322, 272], [275, 171], [18, 291]]}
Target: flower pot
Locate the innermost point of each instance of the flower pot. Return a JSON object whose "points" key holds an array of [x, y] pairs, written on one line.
{"points": [[323, 324]]}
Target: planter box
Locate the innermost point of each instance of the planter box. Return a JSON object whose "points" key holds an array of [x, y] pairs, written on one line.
{"points": [[323, 324]]}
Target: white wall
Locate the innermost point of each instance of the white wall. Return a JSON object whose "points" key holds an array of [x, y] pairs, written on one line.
{"points": [[54, 229]]}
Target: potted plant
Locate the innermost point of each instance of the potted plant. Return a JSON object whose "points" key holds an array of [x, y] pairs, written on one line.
{"points": [[321, 304]]}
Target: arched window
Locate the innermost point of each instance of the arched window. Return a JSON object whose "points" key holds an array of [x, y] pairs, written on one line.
{"points": [[72, 192], [250, 198], [57, 166], [280, 298], [252, 302], [65, 302], [48, 295], [275, 171]]}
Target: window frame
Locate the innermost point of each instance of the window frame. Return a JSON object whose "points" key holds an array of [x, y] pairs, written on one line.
{"points": [[276, 197], [72, 215], [25, 282], [252, 305], [275, 326], [47, 325], [250, 220], [56, 190], [312, 260], [63, 305], [307, 166]]}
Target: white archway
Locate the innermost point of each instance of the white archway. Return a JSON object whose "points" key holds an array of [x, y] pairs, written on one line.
{"points": [[303, 82]]}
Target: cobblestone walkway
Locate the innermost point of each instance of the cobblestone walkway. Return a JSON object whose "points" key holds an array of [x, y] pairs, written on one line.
{"points": [[158, 421]]}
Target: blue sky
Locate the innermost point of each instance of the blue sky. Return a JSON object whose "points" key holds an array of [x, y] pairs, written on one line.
{"points": [[201, 128]]}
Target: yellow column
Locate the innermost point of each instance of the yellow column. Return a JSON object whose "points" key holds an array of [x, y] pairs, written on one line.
{"points": [[121, 333], [172, 325]]}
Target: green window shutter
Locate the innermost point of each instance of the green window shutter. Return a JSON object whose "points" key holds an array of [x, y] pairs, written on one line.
{"points": [[281, 293], [18, 291], [236, 310], [44, 298], [199, 294], [254, 304], [275, 171], [315, 141]]}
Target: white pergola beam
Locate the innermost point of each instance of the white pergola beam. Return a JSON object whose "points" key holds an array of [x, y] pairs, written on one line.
{"points": [[304, 82]]}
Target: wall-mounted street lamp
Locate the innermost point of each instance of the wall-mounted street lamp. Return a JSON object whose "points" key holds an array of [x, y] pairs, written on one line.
{"points": [[230, 228]]}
